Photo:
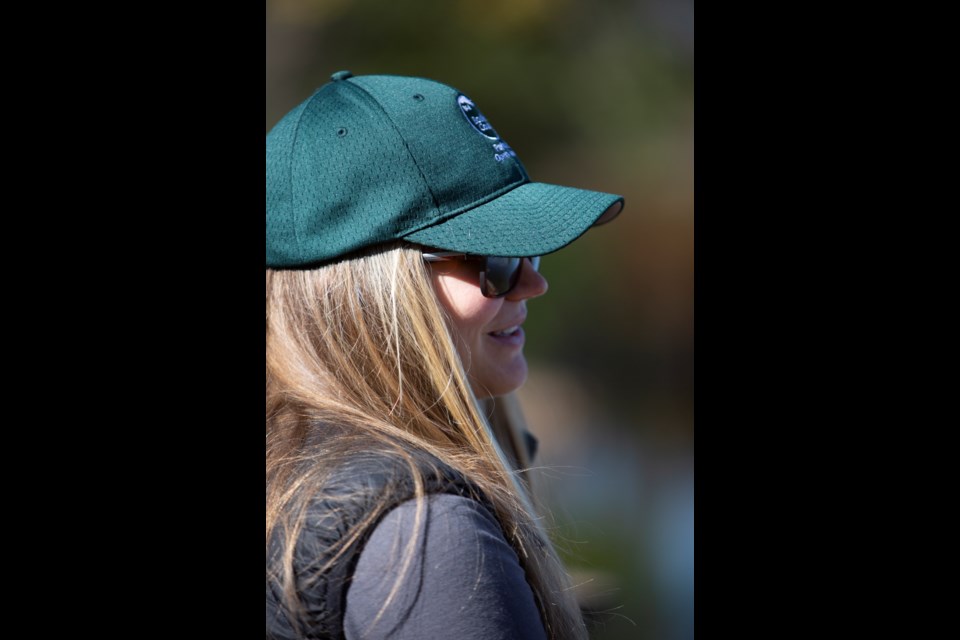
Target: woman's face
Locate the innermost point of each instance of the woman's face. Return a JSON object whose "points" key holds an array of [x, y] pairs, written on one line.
{"points": [[487, 331]]}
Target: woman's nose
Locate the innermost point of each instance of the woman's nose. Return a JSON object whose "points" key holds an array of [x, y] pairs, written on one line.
{"points": [[531, 284]]}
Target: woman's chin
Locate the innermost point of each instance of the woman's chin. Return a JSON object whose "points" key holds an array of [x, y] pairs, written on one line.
{"points": [[506, 380]]}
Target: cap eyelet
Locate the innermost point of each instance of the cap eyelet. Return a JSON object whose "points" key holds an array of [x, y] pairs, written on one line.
{"points": [[418, 97], [341, 132]]}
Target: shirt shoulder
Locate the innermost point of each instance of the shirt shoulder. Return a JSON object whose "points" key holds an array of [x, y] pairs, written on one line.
{"points": [[440, 566]]}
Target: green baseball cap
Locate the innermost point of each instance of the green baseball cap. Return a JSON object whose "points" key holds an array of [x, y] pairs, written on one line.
{"points": [[369, 160]]}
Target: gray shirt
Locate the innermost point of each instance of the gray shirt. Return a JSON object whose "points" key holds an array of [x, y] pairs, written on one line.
{"points": [[464, 580]]}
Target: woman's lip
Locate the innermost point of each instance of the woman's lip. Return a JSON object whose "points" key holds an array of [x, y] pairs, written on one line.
{"points": [[506, 330], [514, 339], [518, 323]]}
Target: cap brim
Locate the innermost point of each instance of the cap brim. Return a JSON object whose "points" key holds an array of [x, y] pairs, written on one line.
{"points": [[532, 220]]}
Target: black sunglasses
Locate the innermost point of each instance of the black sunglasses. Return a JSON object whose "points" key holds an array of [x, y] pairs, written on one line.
{"points": [[498, 276]]}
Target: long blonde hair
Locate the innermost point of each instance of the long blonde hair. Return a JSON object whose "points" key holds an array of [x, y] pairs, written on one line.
{"points": [[363, 344]]}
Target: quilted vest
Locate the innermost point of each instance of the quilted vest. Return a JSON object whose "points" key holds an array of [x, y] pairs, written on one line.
{"points": [[357, 487]]}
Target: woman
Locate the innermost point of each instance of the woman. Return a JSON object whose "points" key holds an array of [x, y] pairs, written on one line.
{"points": [[393, 337]]}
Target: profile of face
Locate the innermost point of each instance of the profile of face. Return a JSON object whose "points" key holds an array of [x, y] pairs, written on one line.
{"points": [[488, 331]]}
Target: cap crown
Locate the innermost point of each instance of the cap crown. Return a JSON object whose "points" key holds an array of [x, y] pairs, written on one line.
{"points": [[367, 160]]}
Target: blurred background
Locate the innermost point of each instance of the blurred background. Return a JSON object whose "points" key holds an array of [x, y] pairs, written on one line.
{"points": [[594, 94]]}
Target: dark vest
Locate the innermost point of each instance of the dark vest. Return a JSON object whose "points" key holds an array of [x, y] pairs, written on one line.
{"points": [[356, 489]]}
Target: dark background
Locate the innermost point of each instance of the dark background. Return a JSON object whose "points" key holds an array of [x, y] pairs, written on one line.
{"points": [[596, 95]]}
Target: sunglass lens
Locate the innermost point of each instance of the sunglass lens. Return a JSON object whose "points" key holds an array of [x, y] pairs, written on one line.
{"points": [[501, 275]]}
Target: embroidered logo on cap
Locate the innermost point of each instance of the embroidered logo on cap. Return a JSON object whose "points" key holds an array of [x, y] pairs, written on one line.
{"points": [[478, 121], [475, 118]]}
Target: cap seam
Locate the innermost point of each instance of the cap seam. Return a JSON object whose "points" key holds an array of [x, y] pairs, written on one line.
{"points": [[413, 158], [293, 145]]}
